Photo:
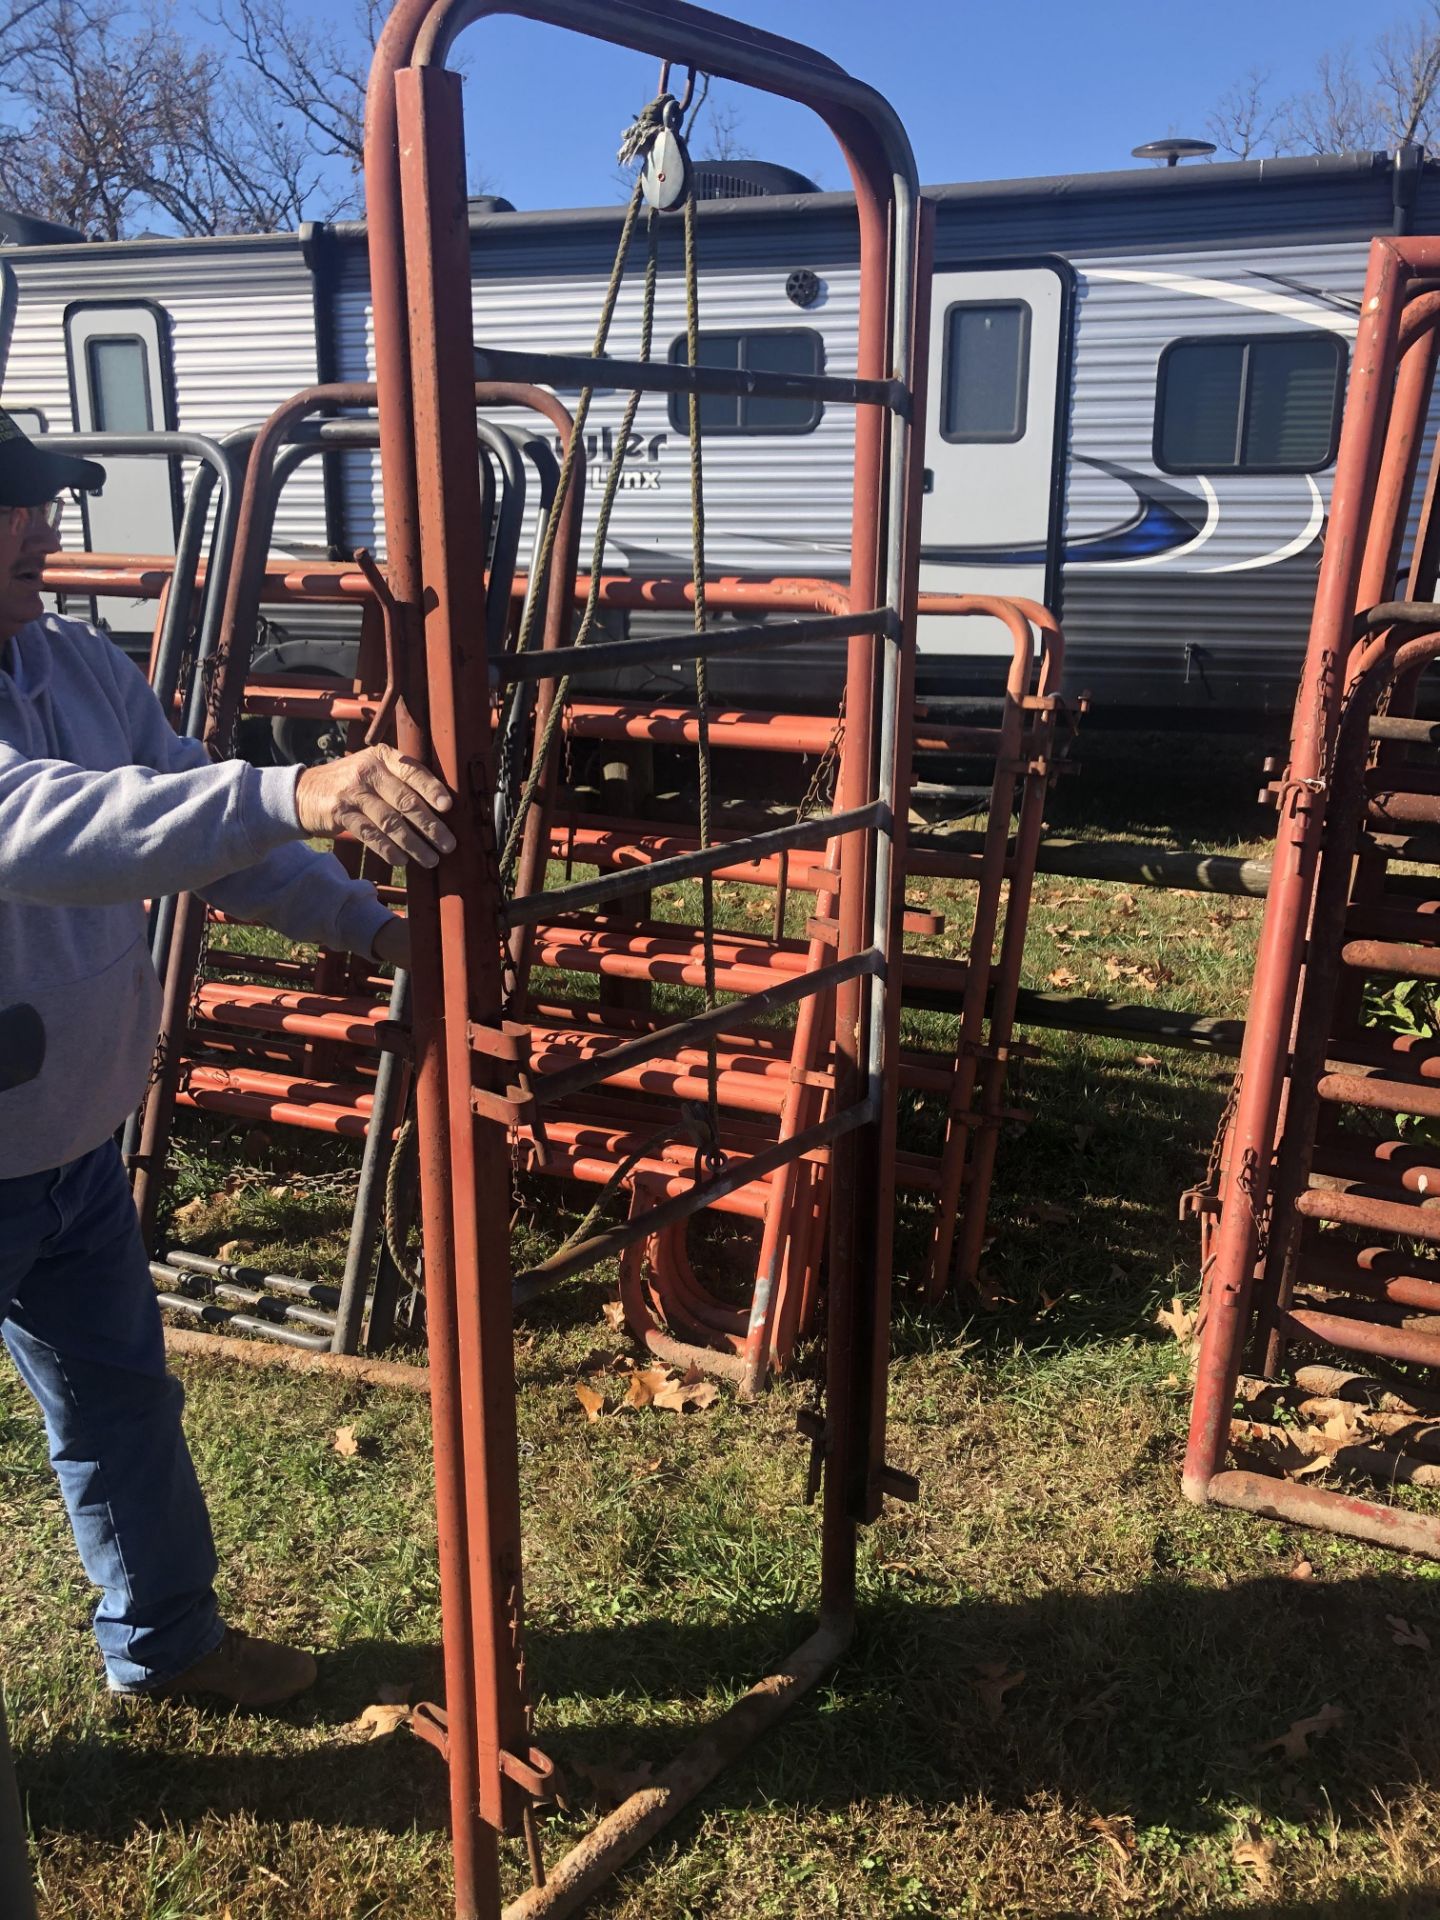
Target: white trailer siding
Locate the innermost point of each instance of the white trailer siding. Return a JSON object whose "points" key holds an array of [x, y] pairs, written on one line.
{"points": [[243, 329], [777, 503]]}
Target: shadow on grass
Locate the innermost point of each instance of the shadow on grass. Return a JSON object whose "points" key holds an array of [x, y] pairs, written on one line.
{"points": [[1167, 1705], [1084, 1234]]}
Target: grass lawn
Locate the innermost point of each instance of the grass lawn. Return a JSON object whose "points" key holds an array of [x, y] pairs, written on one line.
{"points": [[1070, 1693]]}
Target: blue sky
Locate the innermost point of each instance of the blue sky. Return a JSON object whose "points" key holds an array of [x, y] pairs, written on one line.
{"points": [[987, 90]]}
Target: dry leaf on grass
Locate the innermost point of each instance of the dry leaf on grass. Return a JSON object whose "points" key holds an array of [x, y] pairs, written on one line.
{"points": [[1117, 1834], [378, 1722], [1062, 977], [351, 1445], [1125, 904], [1294, 1743], [688, 1396], [614, 1312], [1404, 1635], [1302, 1570], [1178, 1319], [1150, 1062], [189, 1215], [995, 1679], [1253, 1851], [645, 1385], [233, 1249], [591, 1401]]}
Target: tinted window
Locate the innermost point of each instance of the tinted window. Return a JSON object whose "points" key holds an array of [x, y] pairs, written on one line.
{"points": [[1264, 405], [986, 371], [792, 350], [120, 385]]}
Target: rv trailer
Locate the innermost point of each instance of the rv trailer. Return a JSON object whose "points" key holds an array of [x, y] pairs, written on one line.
{"points": [[1136, 382]]}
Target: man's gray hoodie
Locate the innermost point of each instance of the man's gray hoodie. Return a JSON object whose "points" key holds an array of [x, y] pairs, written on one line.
{"points": [[103, 805]]}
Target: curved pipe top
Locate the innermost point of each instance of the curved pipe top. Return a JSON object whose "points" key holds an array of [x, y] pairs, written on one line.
{"points": [[423, 32]]}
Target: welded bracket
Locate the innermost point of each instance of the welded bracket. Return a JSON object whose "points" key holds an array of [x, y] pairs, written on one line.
{"points": [[810, 1422]]}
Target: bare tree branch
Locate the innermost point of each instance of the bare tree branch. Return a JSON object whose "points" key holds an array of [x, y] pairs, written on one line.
{"points": [[1244, 121]]}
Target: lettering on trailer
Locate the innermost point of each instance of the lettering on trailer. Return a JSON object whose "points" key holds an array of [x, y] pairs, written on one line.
{"points": [[641, 448]]}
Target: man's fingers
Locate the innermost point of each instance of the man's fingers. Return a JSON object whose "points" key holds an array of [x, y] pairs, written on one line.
{"points": [[370, 836], [399, 832], [413, 773], [412, 806]]}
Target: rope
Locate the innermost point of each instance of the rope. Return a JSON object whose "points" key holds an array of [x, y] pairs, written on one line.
{"points": [[702, 688], [637, 137], [695, 1131], [402, 1155], [635, 143]]}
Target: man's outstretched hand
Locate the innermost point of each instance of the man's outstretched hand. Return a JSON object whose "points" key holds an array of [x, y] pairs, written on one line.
{"points": [[387, 800]]}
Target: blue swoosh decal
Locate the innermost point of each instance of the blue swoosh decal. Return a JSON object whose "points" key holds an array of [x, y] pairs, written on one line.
{"points": [[1168, 518]]}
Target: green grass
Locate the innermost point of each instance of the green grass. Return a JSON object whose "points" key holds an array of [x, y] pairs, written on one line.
{"points": [[1158, 1648]]}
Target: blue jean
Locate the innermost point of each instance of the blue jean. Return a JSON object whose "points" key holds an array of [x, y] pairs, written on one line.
{"points": [[78, 1313]]}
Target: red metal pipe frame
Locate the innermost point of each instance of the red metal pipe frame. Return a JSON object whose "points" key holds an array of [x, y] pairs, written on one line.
{"points": [[1380, 431], [419, 97], [1235, 1237]]}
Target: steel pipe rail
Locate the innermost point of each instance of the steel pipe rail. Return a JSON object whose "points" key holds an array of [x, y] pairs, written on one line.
{"points": [[815, 832], [601, 656]]}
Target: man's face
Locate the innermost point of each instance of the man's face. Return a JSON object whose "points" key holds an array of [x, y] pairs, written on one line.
{"points": [[26, 541]]}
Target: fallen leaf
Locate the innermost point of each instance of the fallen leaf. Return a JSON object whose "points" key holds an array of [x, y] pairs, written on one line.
{"points": [[648, 1467], [1253, 1850], [644, 1387], [996, 1679], [1294, 1743], [378, 1722], [682, 1396], [351, 1445], [1062, 977], [1125, 904], [1151, 1062], [1116, 1834], [1404, 1635], [189, 1215], [1114, 967], [1302, 1570], [232, 1249], [279, 1193], [614, 1312], [591, 1401], [1342, 1426], [1180, 1321]]}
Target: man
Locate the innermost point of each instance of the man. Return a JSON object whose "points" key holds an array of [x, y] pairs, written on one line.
{"points": [[102, 806]]}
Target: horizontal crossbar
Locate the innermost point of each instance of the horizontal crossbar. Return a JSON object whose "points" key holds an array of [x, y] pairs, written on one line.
{"points": [[533, 908], [550, 1087], [739, 1173], [553, 663], [670, 376]]}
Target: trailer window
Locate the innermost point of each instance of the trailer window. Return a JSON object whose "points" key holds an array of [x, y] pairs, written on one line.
{"points": [[795, 350], [119, 383], [985, 373], [1264, 405]]}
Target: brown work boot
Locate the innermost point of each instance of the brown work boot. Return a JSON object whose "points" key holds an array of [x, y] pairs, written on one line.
{"points": [[246, 1671]]}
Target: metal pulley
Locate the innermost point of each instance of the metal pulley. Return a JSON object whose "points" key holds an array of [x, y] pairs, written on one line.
{"points": [[667, 164]]}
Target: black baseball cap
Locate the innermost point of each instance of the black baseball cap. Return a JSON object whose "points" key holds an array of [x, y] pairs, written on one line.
{"points": [[31, 474]]}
